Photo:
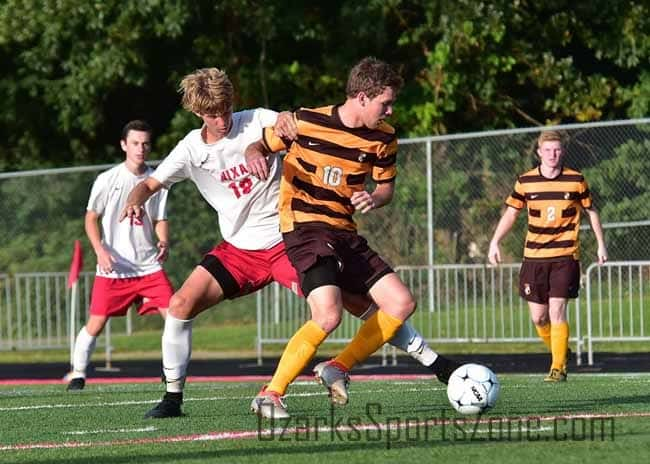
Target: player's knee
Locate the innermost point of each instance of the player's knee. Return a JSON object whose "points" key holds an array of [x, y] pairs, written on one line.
{"points": [[401, 308], [540, 319], [326, 308], [95, 325], [179, 307], [407, 307], [328, 321], [403, 304]]}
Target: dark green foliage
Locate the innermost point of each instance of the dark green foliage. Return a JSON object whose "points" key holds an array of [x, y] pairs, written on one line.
{"points": [[72, 73]]}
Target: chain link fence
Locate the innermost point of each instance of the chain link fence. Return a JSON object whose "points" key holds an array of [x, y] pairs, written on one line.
{"points": [[451, 190], [449, 196]]}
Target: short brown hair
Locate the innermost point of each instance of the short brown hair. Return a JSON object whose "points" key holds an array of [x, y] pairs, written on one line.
{"points": [[549, 136], [136, 125], [207, 91], [371, 76]]}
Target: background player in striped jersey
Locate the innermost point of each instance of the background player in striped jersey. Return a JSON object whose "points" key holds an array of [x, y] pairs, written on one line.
{"points": [[128, 254], [251, 254], [323, 184], [550, 273]]}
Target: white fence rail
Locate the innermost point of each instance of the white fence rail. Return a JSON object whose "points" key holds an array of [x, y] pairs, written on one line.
{"points": [[475, 303], [35, 312], [457, 303], [617, 295]]}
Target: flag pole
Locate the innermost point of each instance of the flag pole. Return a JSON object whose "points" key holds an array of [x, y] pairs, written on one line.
{"points": [[73, 319], [73, 283]]}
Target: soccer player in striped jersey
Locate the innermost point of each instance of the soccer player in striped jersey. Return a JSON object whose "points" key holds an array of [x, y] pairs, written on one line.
{"points": [[554, 195], [323, 184]]}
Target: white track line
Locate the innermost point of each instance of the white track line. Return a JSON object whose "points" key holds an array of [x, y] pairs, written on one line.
{"points": [[97, 432], [213, 398]]}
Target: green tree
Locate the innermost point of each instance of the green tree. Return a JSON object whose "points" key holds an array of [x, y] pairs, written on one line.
{"points": [[503, 63], [74, 72]]}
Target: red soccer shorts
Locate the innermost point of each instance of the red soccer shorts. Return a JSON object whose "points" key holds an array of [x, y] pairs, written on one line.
{"points": [[112, 297], [240, 272]]}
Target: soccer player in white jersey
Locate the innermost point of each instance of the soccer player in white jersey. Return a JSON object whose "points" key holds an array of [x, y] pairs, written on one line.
{"points": [[252, 253], [129, 256]]}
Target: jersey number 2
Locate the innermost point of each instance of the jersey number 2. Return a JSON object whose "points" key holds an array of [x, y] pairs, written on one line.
{"points": [[550, 213]]}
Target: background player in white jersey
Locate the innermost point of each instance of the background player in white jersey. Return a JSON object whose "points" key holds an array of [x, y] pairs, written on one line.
{"points": [[128, 254], [252, 253]]}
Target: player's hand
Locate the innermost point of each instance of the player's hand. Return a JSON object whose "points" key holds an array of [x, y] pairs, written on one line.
{"points": [[131, 212], [494, 254], [362, 201], [105, 261], [163, 251], [285, 126], [602, 255], [256, 163]]}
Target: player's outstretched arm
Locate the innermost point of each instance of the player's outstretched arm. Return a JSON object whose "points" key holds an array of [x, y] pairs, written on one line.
{"points": [[138, 197]]}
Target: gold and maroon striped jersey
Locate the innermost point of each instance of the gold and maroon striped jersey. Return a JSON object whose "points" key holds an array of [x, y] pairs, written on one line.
{"points": [[554, 207], [326, 164]]}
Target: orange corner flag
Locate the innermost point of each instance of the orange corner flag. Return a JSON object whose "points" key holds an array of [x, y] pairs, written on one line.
{"points": [[76, 264]]}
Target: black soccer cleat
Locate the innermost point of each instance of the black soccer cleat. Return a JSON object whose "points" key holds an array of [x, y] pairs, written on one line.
{"points": [[76, 384], [443, 368], [170, 406]]}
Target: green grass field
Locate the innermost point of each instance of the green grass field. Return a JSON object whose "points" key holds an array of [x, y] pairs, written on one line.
{"points": [[591, 418]]}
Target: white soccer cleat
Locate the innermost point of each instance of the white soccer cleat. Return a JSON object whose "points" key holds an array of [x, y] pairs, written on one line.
{"points": [[335, 379], [269, 405]]}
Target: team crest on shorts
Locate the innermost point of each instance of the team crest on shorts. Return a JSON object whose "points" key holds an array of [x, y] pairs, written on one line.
{"points": [[527, 289]]}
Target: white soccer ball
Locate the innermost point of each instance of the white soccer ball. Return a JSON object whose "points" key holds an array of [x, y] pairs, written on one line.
{"points": [[473, 389]]}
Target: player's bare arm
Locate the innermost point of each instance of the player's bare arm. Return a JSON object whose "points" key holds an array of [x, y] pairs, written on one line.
{"points": [[256, 164], [162, 232], [138, 196], [104, 259], [382, 195], [503, 227], [596, 226]]}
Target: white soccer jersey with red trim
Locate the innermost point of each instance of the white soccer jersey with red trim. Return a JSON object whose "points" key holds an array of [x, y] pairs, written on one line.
{"points": [[246, 206], [132, 243]]}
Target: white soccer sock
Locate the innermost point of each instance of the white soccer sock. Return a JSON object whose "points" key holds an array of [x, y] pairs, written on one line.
{"points": [[176, 352], [408, 339], [84, 346]]}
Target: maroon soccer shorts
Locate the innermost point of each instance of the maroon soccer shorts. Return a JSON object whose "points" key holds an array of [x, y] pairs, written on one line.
{"points": [[541, 280]]}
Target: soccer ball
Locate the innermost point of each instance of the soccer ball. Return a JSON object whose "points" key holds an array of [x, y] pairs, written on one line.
{"points": [[473, 389]]}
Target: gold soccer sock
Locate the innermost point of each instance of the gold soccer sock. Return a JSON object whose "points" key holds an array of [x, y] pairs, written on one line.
{"points": [[299, 351], [544, 332], [559, 344], [377, 330]]}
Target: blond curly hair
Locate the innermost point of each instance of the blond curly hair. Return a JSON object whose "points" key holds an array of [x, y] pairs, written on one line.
{"points": [[207, 91]]}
